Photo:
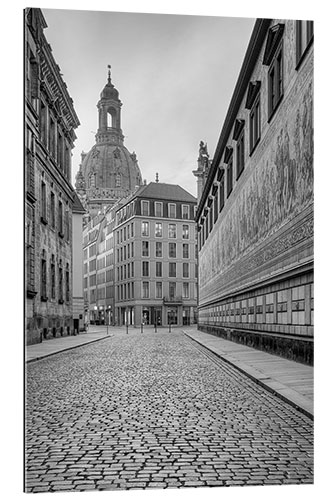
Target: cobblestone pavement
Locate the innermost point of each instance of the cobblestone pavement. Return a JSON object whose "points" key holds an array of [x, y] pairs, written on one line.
{"points": [[152, 411]]}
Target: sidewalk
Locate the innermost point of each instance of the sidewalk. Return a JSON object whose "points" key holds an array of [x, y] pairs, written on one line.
{"points": [[53, 346], [291, 381]]}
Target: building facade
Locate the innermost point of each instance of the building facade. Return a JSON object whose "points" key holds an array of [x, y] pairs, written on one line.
{"points": [[255, 215], [77, 268], [156, 257], [50, 121], [98, 272]]}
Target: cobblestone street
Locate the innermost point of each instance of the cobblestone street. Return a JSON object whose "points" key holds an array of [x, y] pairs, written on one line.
{"points": [[152, 411]]}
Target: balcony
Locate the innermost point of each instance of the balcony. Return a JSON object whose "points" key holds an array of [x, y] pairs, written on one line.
{"points": [[173, 300]]}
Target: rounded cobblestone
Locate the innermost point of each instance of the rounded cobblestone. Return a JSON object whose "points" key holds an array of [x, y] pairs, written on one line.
{"points": [[150, 410]]}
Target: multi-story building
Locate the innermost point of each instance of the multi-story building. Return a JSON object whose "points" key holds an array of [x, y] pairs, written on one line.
{"points": [[255, 215], [98, 258], [156, 257], [50, 121]]}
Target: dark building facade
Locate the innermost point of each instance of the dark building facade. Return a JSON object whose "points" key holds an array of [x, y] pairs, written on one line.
{"points": [[50, 121], [255, 215]]}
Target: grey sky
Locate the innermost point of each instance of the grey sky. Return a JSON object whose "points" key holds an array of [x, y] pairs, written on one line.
{"points": [[175, 76]]}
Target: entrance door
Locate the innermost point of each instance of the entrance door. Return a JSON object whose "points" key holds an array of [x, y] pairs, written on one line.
{"points": [[145, 316], [172, 316]]}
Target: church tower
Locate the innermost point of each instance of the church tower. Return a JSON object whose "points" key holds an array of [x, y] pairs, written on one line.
{"points": [[108, 171]]}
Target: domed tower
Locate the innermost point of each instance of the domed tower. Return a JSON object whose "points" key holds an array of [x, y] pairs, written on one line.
{"points": [[108, 172]]}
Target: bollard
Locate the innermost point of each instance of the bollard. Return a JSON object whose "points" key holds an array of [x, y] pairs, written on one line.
{"points": [[141, 327], [155, 327], [107, 329], [169, 327], [127, 328]]}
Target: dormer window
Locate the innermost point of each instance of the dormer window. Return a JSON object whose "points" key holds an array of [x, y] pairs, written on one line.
{"points": [[273, 58], [304, 38], [253, 104]]}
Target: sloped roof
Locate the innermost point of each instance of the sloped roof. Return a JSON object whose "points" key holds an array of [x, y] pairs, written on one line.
{"points": [[162, 191]]}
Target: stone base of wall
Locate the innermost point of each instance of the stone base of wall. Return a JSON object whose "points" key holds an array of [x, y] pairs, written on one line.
{"points": [[294, 348], [40, 329]]}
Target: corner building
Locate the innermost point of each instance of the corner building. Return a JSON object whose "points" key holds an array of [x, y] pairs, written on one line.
{"points": [[156, 257], [50, 122], [255, 215]]}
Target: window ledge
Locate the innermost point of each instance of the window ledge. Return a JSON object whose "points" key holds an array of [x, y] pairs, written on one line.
{"points": [[43, 220], [60, 234]]}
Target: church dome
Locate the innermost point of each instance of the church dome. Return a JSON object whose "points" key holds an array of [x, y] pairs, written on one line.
{"points": [[111, 166], [108, 171]]}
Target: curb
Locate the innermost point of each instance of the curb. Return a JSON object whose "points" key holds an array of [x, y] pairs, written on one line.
{"points": [[38, 358], [257, 380]]}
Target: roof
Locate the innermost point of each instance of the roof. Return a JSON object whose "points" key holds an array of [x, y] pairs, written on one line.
{"points": [[162, 191], [77, 205]]}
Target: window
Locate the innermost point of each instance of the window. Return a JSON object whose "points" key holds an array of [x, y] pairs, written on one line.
{"points": [[67, 225], [158, 249], [304, 36], [185, 251], [67, 283], [43, 203], [240, 155], [53, 283], [60, 283], [186, 270], [275, 83], [221, 193], [144, 208], [210, 219], [43, 123], [158, 289], [185, 211], [158, 209], [60, 220], [172, 231], [158, 269], [145, 249], [186, 290], [172, 269], [172, 210], [158, 229], [216, 211], [52, 130], [172, 250], [186, 232], [52, 210], [172, 290], [145, 229], [145, 268], [145, 289], [229, 176], [43, 281], [255, 124]]}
